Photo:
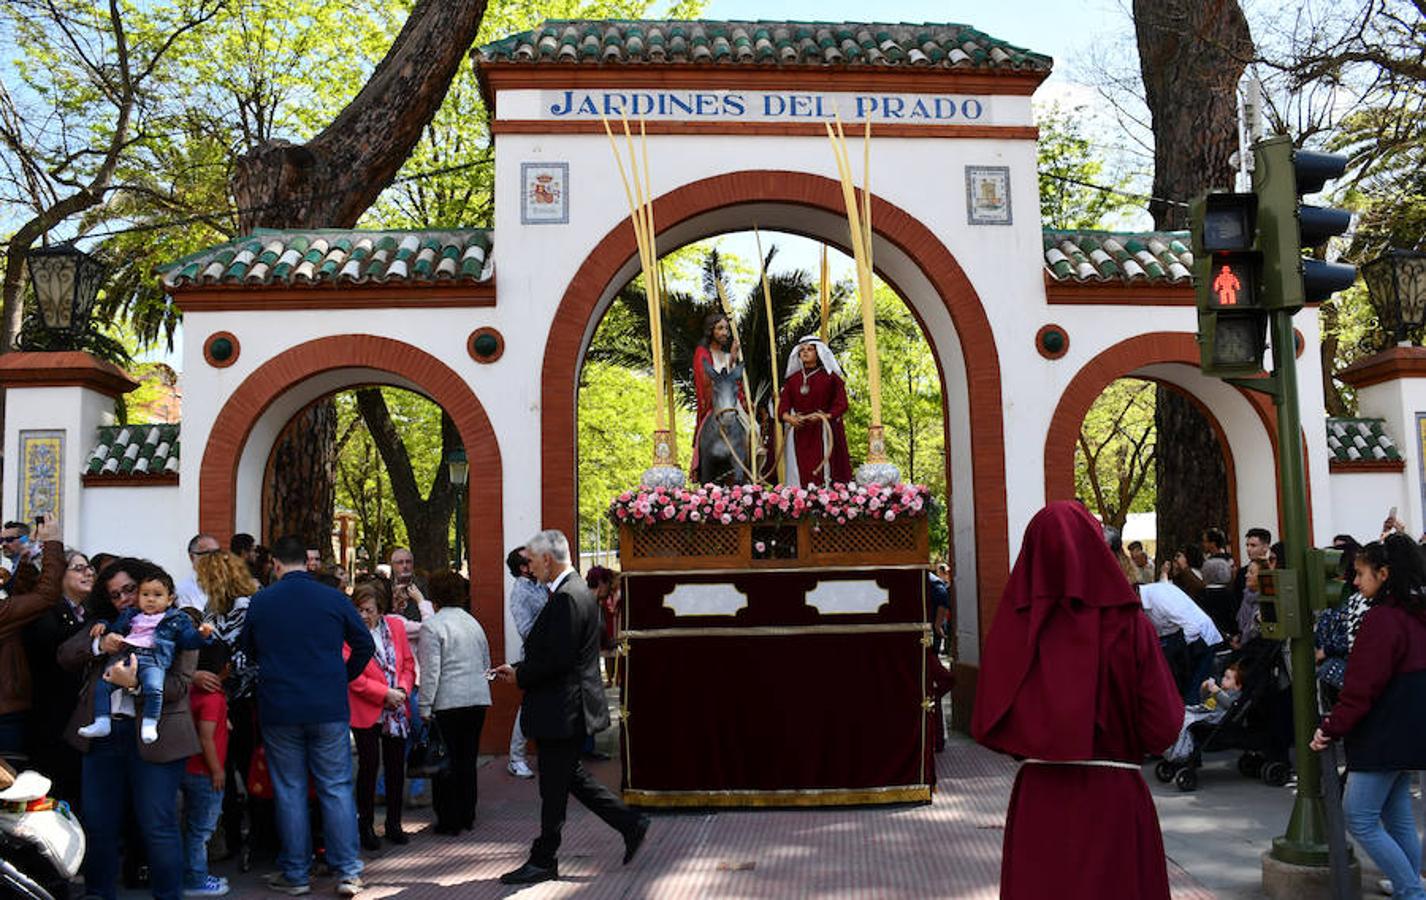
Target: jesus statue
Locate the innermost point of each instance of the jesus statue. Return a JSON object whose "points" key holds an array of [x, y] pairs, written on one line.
{"points": [[719, 352], [813, 401]]}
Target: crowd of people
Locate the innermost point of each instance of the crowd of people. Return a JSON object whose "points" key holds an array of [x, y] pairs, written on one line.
{"points": [[260, 697], [1067, 686]]}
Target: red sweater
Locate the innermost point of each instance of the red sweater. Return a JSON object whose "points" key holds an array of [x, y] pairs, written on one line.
{"points": [[1391, 642], [1383, 699]]}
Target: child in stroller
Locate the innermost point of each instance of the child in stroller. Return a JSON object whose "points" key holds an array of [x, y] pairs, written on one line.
{"points": [[1241, 720]]}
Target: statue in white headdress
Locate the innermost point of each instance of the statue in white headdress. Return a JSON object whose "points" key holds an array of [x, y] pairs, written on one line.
{"points": [[811, 406]]}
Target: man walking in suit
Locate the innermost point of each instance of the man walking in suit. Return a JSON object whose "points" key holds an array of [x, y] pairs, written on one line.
{"points": [[564, 701]]}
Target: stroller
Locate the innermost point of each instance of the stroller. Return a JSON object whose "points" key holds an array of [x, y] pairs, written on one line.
{"points": [[41, 843], [1252, 725]]}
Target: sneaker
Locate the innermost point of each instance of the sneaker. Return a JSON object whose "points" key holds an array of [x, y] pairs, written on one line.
{"points": [[350, 886], [520, 769], [98, 729], [278, 882], [213, 886]]}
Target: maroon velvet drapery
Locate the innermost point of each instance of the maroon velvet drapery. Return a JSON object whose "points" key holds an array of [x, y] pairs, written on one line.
{"points": [[804, 701]]}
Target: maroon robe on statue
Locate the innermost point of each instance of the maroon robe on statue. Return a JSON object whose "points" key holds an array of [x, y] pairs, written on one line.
{"points": [[827, 394], [1072, 671]]}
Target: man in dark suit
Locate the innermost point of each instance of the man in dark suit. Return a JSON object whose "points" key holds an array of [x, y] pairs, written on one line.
{"points": [[564, 701]]}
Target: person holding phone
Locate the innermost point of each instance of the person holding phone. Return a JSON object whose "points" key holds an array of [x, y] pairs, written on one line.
{"points": [[408, 589], [22, 607]]}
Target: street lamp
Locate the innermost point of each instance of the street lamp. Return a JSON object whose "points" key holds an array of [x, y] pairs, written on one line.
{"points": [[1396, 282], [458, 467], [66, 280]]}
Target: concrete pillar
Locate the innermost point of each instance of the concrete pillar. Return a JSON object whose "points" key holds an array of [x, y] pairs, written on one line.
{"points": [[54, 402]]}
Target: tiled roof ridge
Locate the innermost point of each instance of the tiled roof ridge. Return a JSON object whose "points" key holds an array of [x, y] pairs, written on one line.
{"points": [[1353, 439], [1090, 255], [135, 449], [299, 257], [915, 45]]}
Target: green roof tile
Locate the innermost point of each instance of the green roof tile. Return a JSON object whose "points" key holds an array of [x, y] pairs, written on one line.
{"points": [[1360, 440], [314, 257], [698, 41], [135, 450], [1100, 256]]}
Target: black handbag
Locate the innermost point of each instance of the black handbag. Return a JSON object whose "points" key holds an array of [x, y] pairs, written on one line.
{"points": [[428, 757]]}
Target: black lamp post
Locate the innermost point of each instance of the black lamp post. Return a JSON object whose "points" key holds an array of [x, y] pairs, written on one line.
{"points": [[1396, 282], [66, 281], [458, 467]]}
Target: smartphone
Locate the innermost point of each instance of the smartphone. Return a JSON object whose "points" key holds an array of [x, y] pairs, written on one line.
{"points": [[40, 520], [1391, 516]]}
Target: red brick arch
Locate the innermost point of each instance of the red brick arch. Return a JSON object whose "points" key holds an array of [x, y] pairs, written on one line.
{"points": [[982, 363], [218, 473], [1117, 362]]}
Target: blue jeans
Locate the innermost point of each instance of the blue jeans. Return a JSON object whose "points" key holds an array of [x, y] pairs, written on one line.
{"points": [[1378, 813], [113, 776], [202, 806], [150, 686], [324, 750], [12, 733]]}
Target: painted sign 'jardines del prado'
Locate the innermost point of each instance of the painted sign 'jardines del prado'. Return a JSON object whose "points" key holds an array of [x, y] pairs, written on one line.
{"points": [[1027, 326]]}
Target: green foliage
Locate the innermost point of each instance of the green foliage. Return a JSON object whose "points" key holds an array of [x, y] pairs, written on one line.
{"points": [[1114, 459], [363, 486], [912, 412], [1068, 164]]}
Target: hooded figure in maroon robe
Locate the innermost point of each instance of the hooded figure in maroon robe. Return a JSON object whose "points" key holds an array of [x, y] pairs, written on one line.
{"points": [[1072, 680], [812, 403]]}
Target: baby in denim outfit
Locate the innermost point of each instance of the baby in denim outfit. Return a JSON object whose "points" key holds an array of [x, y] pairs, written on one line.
{"points": [[154, 631]]}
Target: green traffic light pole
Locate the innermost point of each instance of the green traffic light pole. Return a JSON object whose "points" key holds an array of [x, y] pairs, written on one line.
{"points": [[1305, 842]]}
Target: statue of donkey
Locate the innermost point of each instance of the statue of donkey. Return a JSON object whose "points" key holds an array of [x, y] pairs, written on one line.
{"points": [[723, 442]]}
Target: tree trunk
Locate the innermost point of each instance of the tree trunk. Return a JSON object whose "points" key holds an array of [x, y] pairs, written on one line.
{"points": [[300, 494], [1191, 54], [1331, 338], [332, 179], [428, 520], [1192, 479]]}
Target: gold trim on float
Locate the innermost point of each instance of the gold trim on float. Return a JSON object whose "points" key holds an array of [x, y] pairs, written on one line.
{"points": [[778, 630], [813, 797], [718, 573]]}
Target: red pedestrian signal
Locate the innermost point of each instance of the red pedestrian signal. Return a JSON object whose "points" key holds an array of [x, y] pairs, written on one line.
{"points": [[1226, 286], [1233, 280]]}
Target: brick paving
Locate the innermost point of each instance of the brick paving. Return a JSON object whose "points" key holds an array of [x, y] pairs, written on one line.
{"points": [[950, 848]]}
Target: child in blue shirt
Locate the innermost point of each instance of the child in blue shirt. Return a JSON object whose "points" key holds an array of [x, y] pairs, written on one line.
{"points": [[154, 631]]}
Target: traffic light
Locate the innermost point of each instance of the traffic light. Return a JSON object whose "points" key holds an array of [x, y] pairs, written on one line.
{"points": [[1281, 175], [1326, 566], [1232, 324], [1280, 604]]}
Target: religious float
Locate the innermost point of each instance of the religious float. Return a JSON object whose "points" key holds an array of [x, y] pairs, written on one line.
{"points": [[774, 645]]}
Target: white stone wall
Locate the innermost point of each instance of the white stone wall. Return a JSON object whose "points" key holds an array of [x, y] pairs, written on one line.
{"points": [[1361, 500], [75, 411], [143, 521]]}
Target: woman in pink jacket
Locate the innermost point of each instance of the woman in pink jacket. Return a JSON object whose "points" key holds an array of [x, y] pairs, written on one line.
{"points": [[380, 721]]}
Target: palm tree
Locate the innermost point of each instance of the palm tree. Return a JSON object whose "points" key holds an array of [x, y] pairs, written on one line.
{"points": [[623, 336]]}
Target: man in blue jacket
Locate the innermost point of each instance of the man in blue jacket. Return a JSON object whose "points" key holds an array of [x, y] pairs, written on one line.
{"points": [[294, 633]]}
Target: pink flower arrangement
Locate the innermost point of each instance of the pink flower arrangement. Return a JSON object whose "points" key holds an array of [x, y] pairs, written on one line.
{"points": [[840, 503]]}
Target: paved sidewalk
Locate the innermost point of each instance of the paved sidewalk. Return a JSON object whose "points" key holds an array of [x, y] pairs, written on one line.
{"points": [[950, 848]]}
